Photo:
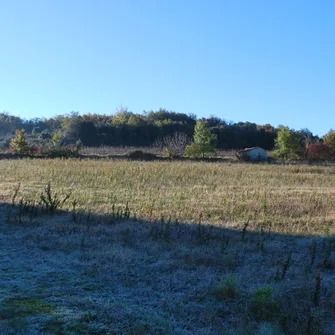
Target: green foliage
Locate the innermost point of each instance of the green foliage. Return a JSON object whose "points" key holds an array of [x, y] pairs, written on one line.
{"points": [[63, 152], [57, 139], [193, 151], [125, 128], [287, 143], [170, 153], [19, 144], [121, 117], [263, 305], [227, 289], [78, 145], [203, 137], [202, 145], [330, 139]]}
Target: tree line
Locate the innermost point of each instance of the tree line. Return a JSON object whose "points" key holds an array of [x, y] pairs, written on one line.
{"points": [[125, 128], [167, 129]]}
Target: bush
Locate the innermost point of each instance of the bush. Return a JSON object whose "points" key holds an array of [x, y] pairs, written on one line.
{"points": [[227, 289], [320, 152], [57, 139], [196, 151], [64, 152], [263, 305], [170, 153], [289, 155], [141, 155], [51, 201]]}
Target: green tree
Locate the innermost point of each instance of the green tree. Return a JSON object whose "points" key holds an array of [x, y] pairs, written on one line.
{"points": [[121, 117], [330, 139], [57, 139], [203, 141], [19, 143], [287, 143]]}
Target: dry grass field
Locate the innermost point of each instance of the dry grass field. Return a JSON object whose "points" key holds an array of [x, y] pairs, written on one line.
{"points": [[166, 248], [286, 199]]}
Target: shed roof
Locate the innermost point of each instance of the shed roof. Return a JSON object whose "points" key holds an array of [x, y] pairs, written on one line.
{"points": [[251, 149]]}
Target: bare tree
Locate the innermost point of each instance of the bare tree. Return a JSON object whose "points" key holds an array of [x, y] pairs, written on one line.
{"points": [[174, 145]]}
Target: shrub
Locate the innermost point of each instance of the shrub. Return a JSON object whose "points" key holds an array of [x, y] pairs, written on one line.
{"points": [[51, 201], [283, 154], [173, 145], [170, 153], [63, 152], [263, 305], [318, 152], [227, 289], [57, 139]]}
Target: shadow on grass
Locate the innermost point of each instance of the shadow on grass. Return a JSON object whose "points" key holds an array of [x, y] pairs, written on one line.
{"points": [[146, 157], [83, 273]]}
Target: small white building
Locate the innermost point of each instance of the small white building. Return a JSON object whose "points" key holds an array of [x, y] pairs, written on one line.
{"points": [[254, 154]]}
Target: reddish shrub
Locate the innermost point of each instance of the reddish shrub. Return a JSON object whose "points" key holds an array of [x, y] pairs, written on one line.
{"points": [[320, 152]]}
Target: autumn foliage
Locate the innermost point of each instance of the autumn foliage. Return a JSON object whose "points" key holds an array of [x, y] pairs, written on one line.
{"points": [[320, 151]]}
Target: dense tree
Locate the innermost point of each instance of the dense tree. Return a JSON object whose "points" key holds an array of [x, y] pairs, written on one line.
{"points": [[287, 143], [9, 123], [164, 116], [330, 139], [125, 128]]}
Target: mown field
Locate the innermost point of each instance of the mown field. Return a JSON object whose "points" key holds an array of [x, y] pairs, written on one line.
{"points": [[167, 248]]}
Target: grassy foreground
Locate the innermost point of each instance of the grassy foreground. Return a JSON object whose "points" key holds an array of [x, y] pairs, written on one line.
{"points": [[252, 251]]}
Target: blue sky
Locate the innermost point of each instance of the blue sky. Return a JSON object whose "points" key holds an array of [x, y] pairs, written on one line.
{"points": [[263, 61]]}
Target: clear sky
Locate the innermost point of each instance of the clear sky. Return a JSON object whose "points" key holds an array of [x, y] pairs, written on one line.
{"points": [[263, 61]]}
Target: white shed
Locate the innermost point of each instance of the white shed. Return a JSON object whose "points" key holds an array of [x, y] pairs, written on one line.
{"points": [[253, 154]]}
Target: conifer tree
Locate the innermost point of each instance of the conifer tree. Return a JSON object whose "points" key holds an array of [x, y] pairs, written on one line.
{"points": [[203, 141]]}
